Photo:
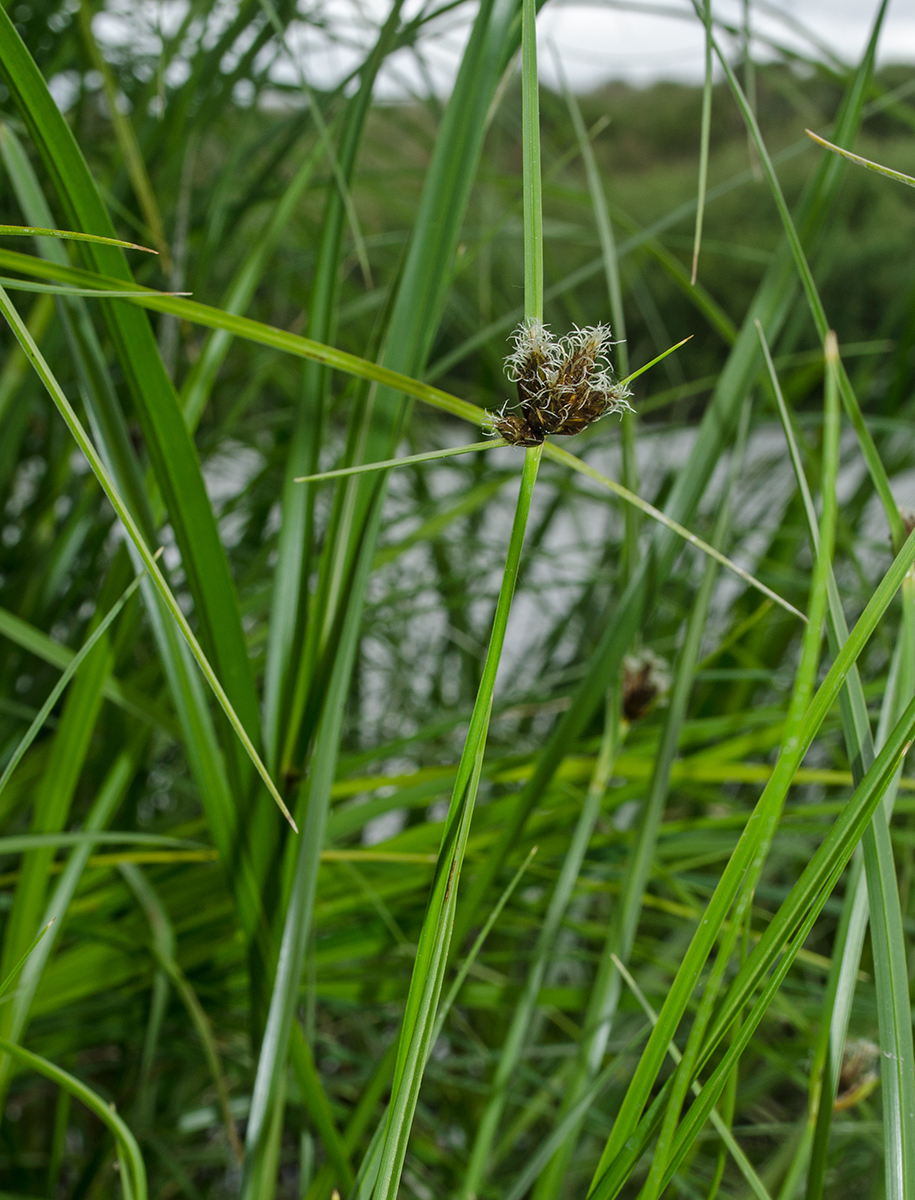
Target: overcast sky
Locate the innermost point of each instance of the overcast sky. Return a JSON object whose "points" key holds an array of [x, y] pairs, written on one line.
{"points": [[597, 43], [638, 40], [595, 40]]}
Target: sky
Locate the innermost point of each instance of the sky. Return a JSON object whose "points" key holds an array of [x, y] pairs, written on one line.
{"points": [[639, 41], [597, 42], [588, 41]]}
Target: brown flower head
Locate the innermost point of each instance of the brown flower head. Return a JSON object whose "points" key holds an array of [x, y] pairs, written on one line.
{"points": [[645, 680], [563, 386]]}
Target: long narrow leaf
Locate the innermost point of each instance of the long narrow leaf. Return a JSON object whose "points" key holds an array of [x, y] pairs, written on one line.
{"points": [[149, 559]]}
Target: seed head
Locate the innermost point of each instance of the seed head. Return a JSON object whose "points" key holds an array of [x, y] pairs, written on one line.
{"points": [[563, 386], [645, 680]]}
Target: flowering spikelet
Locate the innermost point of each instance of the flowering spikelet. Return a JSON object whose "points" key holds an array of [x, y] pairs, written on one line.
{"points": [[563, 386]]}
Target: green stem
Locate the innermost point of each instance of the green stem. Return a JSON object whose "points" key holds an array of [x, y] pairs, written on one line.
{"points": [[533, 202], [706, 132], [519, 1032], [435, 936]]}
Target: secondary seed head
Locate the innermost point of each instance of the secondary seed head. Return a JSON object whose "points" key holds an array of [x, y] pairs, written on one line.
{"points": [[645, 681], [563, 385]]}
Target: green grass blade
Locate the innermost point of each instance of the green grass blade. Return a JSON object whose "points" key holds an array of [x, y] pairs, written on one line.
{"points": [[775, 952], [110, 796], [658, 358], [170, 447], [135, 1181], [69, 235], [196, 389], [704, 138], [409, 460], [868, 449], [805, 720], [621, 935], [757, 1187], [149, 559], [69, 671], [786, 934], [201, 744], [17, 967], [432, 953], [133, 156], [862, 162], [306, 1073], [557, 454], [516, 1038], [314, 802], [886, 918], [16, 843], [20, 285], [163, 942]]}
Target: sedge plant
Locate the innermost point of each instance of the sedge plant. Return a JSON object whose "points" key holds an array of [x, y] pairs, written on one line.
{"points": [[592, 733]]}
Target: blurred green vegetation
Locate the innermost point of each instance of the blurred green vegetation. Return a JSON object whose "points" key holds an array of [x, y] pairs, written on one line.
{"points": [[221, 142]]}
